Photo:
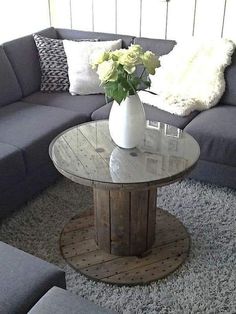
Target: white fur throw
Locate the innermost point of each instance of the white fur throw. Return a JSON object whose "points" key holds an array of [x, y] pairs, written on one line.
{"points": [[191, 76]]}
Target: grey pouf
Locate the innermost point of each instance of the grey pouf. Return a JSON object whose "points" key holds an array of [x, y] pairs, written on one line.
{"points": [[60, 301], [24, 279]]}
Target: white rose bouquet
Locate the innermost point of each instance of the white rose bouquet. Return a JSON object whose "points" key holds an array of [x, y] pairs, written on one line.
{"points": [[117, 71]]}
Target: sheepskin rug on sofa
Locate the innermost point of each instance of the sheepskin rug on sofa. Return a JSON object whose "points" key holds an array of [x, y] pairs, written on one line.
{"points": [[191, 76]]}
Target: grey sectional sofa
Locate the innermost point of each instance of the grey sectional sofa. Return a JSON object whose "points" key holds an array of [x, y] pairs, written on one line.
{"points": [[30, 119], [29, 284]]}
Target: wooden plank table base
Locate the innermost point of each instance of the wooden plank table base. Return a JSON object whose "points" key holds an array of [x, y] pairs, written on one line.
{"points": [[125, 220], [79, 249]]}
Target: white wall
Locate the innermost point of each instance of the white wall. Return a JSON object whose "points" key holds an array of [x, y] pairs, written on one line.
{"points": [[173, 19], [22, 17]]}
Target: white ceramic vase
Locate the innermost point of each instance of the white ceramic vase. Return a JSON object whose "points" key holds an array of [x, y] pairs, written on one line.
{"points": [[127, 122]]}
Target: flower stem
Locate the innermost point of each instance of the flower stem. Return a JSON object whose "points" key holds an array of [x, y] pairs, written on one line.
{"points": [[128, 81], [142, 73]]}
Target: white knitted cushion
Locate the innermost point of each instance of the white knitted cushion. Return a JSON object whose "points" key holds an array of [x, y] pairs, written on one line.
{"points": [[83, 79]]}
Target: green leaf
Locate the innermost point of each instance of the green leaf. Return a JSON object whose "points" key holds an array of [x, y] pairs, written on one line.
{"points": [[125, 84]]}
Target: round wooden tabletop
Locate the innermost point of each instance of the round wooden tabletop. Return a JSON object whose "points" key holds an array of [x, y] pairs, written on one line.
{"points": [[86, 154]]}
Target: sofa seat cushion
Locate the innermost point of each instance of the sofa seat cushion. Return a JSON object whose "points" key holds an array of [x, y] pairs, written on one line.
{"points": [[12, 166], [215, 131], [60, 301], [24, 279], [152, 113], [20, 192], [83, 104], [31, 128], [208, 171]]}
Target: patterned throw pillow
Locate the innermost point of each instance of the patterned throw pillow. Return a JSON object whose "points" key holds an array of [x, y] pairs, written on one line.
{"points": [[53, 63]]}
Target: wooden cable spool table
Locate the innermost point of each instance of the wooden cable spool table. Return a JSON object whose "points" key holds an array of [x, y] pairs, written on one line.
{"points": [[125, 239]]}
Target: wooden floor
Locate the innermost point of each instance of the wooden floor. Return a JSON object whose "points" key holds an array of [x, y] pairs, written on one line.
{"points": [[168, 252]]}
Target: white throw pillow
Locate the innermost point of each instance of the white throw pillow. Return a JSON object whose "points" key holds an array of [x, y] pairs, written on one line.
{"points": [[83, 79]]}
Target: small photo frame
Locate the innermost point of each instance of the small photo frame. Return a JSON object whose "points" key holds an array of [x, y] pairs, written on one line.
{"points": [[153, 125], [172, 131]]}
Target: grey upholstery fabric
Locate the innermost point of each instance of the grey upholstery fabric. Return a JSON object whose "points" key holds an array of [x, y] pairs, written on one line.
{"points": [[158, 46], [9, 87], [215, 173], [60, 301], [12, 166], [24, 279], [23, 55], [152, 113], [215, 131], [229, 96], [21, 191], [31, 128], [82, 104], [75, 34]]}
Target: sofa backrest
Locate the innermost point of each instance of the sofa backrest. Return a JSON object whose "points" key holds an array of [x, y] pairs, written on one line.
{"points": [[229, 97], [158, 46], [9, 86], [75, 34], [23, 55]]}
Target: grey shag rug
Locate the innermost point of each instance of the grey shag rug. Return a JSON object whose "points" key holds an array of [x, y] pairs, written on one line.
{"points": [[206, 283]]}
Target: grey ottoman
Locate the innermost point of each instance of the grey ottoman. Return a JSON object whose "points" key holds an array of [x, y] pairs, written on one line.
{"points": [[24, 279], [60, 301]]}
